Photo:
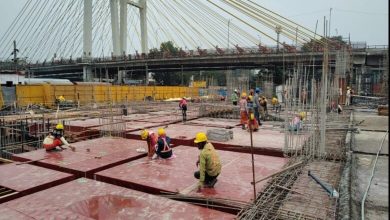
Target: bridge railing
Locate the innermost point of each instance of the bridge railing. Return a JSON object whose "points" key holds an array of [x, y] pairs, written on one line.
{"points": [[215, 52]]}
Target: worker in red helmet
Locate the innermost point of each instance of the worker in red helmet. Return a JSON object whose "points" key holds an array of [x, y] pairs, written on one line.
{"points": [[56, 139], [183, 107]]}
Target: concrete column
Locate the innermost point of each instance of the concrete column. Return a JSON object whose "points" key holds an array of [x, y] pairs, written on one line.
{"points": [[87, 74], [115, 27], [87, 29], [121, 76], [123, 26], [144, 31]]}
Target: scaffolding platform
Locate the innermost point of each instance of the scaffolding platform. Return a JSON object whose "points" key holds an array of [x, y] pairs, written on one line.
{"points": [[90, 199], [20, 179], [177, 175], [90, 156]]}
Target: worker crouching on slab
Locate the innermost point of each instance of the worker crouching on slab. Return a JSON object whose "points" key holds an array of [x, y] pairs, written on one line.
{"points": [[208, 162], [56, 139], [296, 123], [252, 122], [163, 148], [151, 139]]}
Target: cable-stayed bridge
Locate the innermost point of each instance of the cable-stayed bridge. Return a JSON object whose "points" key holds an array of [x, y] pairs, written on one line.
{"points": [[85, 35]]}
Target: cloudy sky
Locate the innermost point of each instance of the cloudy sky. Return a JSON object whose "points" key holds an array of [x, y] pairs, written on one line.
{"points": [[363, 20]]}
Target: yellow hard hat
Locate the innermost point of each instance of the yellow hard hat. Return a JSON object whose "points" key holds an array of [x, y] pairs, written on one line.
{"points": [[348, 87], [243, 94], [161, 131], [274, 101], [144, 134], [302, 114], [200, 137], [60, 126]]}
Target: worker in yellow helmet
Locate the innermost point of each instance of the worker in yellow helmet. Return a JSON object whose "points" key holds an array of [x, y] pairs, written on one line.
{"points": [[61, 98], [208, 162], [151, 140], [275, 104], [163, 149], [56, 139], [252, 122], [243, 110]]}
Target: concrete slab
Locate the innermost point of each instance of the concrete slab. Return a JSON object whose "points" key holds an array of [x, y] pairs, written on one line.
{"points": [[103, 153], [25, 179], [372, 121], [215, 122], [176, 175], [90, 199], [377, 201], [370, 141]]}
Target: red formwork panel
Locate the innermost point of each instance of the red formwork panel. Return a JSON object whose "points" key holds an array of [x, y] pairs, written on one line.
{"points": [[265, 141], [24, 179], [177, 174], [90, 156], [90, 199]]}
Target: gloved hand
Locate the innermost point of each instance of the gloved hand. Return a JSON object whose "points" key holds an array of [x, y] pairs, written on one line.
{"points": [[154, 156]]}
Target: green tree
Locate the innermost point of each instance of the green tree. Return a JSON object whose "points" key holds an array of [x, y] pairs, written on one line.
{"points": [[335, 42]]}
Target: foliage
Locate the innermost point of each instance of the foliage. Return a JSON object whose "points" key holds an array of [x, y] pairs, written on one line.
{"points": [[335, 42]]}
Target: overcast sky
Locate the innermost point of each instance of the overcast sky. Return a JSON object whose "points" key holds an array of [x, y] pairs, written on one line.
{"points": [[364, 20]]}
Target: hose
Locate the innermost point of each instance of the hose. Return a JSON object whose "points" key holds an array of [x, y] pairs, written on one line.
{"points": [[372, 175]]}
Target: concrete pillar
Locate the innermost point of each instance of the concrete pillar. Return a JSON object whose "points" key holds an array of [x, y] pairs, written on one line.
{"points": [[115, 27], [87, 29], [143, 22], [87, 74], [121, 76], [123, 27]]}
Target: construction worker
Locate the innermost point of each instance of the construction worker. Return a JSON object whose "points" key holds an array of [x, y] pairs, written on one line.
{"points": [[348, 96], [275, 104], [263, 105], [151, 139], [163, 148], [339, 109], [56, 139], [208, 162], [252, 122], [61, 99], [183, 107], [256, 105], [296, 123], [243, 110], [235, 97]]}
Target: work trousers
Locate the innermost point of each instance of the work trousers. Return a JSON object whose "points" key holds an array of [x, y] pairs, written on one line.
{"points": [[257, 114], [207, 179]]}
